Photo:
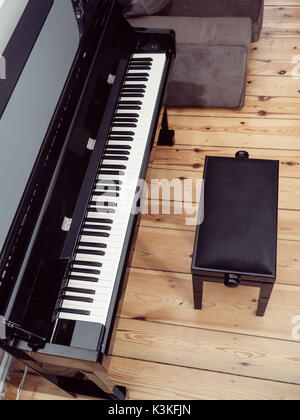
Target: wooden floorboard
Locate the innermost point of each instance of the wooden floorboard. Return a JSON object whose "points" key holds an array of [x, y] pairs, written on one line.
{"points": [[169, 300], [237, 132], [148, 380], [199, 348], [153, 251], [164, 349], [258, 107]]}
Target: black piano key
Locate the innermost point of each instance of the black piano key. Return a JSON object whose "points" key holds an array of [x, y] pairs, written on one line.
{"points": [[84, 278], [101, 210], [126, 94], [116, 151], [115, 146], [130, 102], [128, 107], [121, 133], [120, 120], [128, 120], [132, 90], [105, 172], [97, 227], [107, 166], [96, 234], [92, 220], [129, 74], [116, 154], [124, 125], [80, 290], [85, 271], [127, 115], [75, 311], [78, 299], [90, 252], [134, 86], [109, 182], [120, 138], [117, 157], [103, 187], [92, 244], [141, 66], [103, 203], [87, 263], [106, 194], [138, 59], [107, 188], [136, 79], [129, 90], [100, 187]]}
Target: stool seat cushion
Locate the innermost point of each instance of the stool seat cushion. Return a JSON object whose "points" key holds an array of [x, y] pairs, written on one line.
{"points": [[211, 65], [237, 230]]}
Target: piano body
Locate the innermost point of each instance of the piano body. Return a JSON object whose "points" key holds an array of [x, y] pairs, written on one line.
{"points": [[79, 108]]}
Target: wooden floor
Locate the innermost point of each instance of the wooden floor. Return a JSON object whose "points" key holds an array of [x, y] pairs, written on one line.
{"points": [[166, 350]]}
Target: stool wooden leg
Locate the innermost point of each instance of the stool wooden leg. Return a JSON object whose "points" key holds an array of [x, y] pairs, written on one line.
{"points": [[198, 291], [265, 293]]}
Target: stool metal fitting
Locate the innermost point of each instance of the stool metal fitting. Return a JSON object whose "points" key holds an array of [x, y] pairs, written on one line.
{"points": [[232, 280]]}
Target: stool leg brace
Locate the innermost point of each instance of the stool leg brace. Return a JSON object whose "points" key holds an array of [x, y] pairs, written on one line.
{"points": [[265, 292]]}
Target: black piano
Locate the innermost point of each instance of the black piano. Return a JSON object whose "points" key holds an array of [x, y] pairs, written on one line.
{"points": [[79, 110]]}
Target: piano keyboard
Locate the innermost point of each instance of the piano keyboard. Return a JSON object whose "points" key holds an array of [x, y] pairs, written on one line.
{"points": [[92, 277]]}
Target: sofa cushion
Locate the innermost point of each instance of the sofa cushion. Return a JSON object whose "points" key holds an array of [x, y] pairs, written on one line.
{"points": [[201, 30], [208, 76], [211, 65], [203, 8], [142, 7]]}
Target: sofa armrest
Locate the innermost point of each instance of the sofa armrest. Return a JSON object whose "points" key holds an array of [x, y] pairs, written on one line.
{"points": [[220, 8]]}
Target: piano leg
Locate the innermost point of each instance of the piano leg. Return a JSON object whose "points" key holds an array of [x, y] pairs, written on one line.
{"points": [[83, 378], [93, 382], [166, 136], [72, 379], [99, 377]]}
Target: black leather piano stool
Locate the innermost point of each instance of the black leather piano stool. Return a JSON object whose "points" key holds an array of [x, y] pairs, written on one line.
{"points": [[236, 237]]}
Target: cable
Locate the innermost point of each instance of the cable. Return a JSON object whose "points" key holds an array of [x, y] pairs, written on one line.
{"points": [[22, 381], [22, 384]]}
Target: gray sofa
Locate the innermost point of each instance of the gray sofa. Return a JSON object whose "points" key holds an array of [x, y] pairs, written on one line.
{"points": [[213, 45]]}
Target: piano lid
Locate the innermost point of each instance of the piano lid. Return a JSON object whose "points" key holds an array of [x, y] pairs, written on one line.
{"points": [[21, 27], [10, 14], [48, 31]]}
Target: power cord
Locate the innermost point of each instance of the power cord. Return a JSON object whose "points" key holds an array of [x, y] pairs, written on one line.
{"points": [[22, 384], [22, 381]]}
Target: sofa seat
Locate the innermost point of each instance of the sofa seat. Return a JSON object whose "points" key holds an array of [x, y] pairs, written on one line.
{"points": [[211, 66]]}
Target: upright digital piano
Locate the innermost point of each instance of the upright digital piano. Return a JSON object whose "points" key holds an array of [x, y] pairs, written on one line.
{"points": [[81, 93]]}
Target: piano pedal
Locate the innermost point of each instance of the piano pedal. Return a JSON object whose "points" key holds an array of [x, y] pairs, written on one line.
{"points": [[166, 136]]}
